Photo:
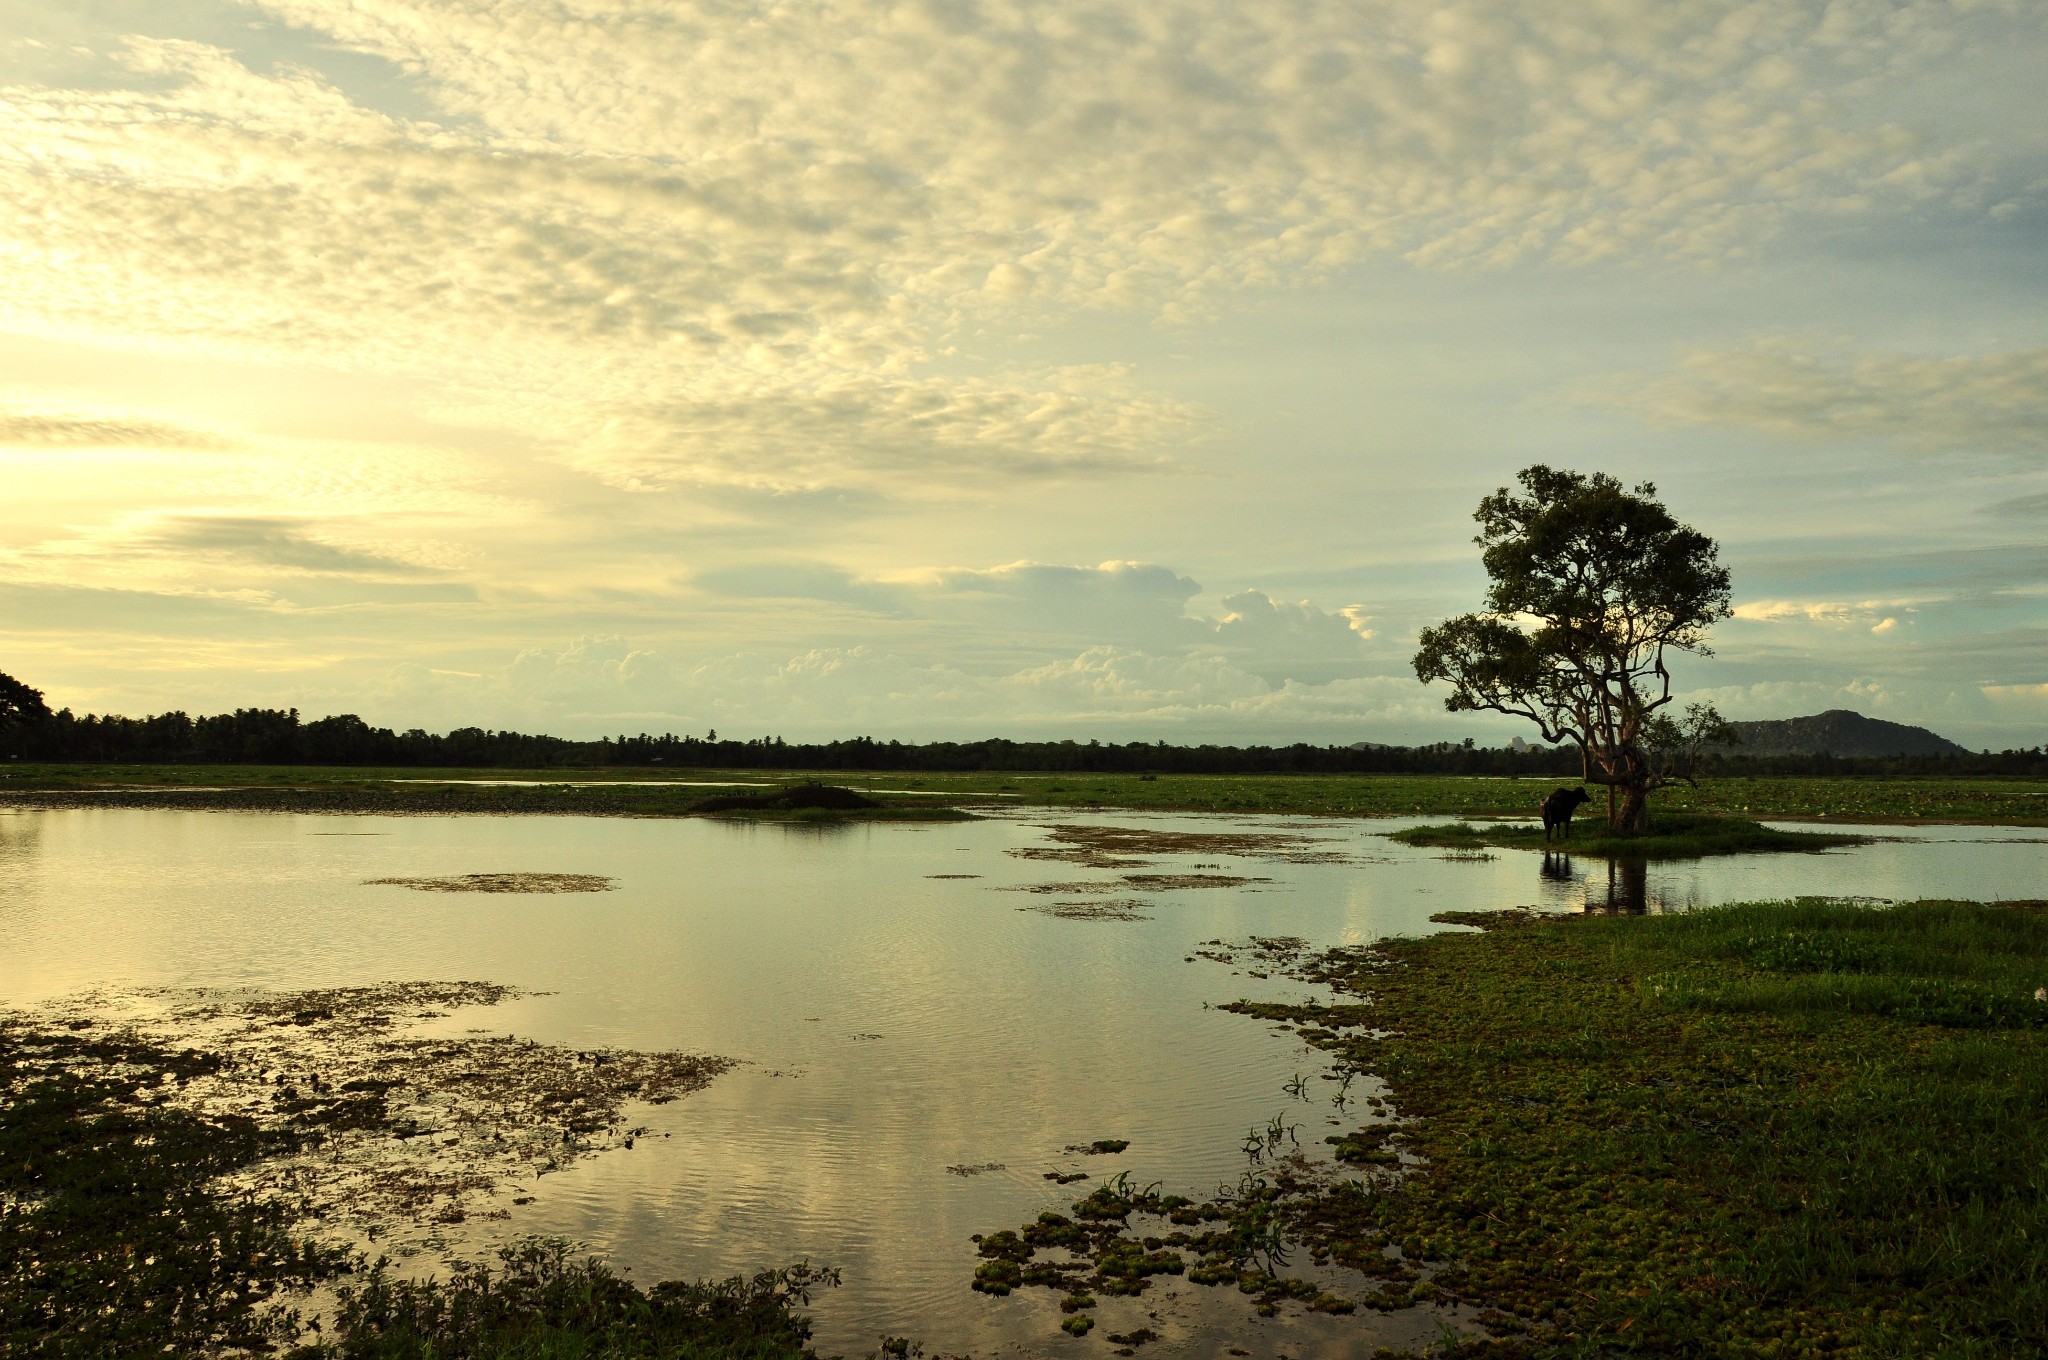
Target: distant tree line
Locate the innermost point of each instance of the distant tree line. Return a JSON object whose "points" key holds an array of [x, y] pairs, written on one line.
{"points": [[268, 736]]}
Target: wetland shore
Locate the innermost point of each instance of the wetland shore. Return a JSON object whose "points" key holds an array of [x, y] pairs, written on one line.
{"points": [[613, 791]]}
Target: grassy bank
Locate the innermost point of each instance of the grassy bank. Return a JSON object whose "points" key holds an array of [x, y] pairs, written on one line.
{"points": [[1774, 1130], [1770, 1130], [1672, 835], [2016, 801], [345, 796]]}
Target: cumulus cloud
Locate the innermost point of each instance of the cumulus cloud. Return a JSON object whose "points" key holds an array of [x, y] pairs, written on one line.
{"points": [[1135, 607], [1278, 640], [704, 242], [1880, 617], [1994, 402]]}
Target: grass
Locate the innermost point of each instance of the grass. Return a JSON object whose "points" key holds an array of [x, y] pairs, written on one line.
{"points": [[1671, 836], [1778, 1129], [347, 792], [2014, 801]]}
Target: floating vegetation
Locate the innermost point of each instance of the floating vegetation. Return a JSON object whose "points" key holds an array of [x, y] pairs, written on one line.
{"points": [[1270, 952], [1170, 882], [1116, 909], [1126, 847], [540, 1301], [1099, 885], [372, 1131], [975, 1168], [1235, 1238], [112, 1239], [504, 883]]}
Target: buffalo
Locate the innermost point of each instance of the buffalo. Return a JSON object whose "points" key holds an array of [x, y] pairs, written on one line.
{"points": [[1558, 808]]}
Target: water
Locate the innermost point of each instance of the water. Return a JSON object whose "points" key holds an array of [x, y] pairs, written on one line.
{"points": [[895, 1023]]}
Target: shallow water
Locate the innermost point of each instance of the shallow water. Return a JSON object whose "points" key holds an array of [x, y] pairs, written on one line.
{"points": [[896, 1023]]}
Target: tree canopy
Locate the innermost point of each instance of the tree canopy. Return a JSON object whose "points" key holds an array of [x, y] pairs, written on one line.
{"points": [[1593, 586]]}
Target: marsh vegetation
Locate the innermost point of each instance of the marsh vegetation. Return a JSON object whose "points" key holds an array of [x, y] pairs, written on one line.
{"points": [[1670, 836]]}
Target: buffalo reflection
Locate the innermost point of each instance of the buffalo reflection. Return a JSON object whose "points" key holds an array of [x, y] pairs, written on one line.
{"points": [[1627, 887]]}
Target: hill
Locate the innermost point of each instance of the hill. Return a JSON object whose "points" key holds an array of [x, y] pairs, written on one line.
{"points": [[1839, 732]]}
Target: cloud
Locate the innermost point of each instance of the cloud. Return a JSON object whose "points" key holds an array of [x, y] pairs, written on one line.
{"points": [[1881, 617], [603, 683], [265, 542], [1043, 607], [700, 242], [1779, 387], [27, 427], [2021, 507], [1278, 641]]}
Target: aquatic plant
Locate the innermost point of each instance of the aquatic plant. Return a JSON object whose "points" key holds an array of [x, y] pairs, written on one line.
{"points": [[543, 1302]]}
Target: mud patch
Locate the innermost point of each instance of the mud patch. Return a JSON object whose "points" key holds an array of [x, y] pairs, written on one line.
{"points": [[504, 883], [1115, 909], [386, 1136]]}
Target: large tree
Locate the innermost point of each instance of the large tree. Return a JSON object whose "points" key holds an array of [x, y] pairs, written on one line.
{"points": [[1594, 585], [20, 707]]}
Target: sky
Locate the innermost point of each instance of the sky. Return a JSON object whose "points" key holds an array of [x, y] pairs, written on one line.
{"points": [[952, 369]]}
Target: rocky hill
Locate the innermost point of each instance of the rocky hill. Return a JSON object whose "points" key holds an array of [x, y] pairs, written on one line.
{"points": [[1839, 732]]}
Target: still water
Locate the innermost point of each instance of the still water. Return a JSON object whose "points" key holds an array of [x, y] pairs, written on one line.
{"points": [[901, 1009]]}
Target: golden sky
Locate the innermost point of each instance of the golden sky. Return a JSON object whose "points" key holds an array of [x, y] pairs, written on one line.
{"points": [[1123, 369]]}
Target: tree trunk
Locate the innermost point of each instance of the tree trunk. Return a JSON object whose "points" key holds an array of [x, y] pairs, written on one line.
{"points": [[1633, 816]]}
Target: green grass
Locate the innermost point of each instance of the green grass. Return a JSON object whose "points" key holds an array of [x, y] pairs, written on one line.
{"points": [[1671, 836], [1780, 1129], [2000, 801]]}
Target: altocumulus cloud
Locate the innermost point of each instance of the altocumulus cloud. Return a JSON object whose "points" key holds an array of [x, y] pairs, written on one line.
{"points": [[750, 232], [1935, 403]]}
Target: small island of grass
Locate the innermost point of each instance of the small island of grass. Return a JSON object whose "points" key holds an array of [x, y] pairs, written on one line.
{"points": [[813, 802], [1671, 836]]}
